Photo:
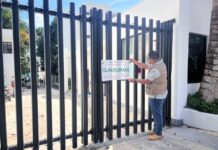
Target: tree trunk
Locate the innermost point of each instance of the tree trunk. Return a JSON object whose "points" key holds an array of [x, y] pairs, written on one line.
{"points": [[209, 85]]}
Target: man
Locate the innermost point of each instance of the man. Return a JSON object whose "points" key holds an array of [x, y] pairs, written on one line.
{"points": [[156, 89]]}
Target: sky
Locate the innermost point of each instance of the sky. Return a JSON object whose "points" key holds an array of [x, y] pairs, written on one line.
{"points": [[113, 5]]}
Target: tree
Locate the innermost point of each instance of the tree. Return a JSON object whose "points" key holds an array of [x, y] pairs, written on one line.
{"points": [[209, 85], [53, 44], [24, 48], [40, 46], [24, 38], [6, 18]]}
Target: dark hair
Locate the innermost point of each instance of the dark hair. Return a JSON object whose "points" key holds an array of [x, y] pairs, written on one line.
{"points": [[153, 55]]}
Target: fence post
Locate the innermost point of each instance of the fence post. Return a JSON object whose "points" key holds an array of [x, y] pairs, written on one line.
{"points": [[3, 129], [33, 75], [109, 83], [119, 57], [150, 49], [61, 72], [135, 118], [15, 14], [47, 53], [127, 82], [73, 74], [84, 92], [94, 69], [143, 33], [100, 84]]}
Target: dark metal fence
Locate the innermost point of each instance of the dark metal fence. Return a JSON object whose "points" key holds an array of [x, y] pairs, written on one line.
{"points": [[163, 31]]}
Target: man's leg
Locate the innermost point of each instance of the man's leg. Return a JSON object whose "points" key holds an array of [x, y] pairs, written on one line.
{"points": [[152, 105], [157, 110]]}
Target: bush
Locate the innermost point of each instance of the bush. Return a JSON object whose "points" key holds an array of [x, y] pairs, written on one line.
{"points": [[196, 101]]}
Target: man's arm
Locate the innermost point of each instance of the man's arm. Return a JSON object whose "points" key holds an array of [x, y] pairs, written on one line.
{"points": [[142, 81], [139, 64]]}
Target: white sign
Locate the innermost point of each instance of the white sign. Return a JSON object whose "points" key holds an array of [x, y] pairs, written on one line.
{"points": [[115, 70]]}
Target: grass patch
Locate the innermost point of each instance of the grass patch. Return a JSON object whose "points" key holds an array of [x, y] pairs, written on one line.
{"points": [[196, 102]]}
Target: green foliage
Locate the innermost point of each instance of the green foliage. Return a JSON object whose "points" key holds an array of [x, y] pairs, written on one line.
{"points": [[196, 101], [40, 45], [6, 18], [69, 83], [53, 44], [24, 38]]}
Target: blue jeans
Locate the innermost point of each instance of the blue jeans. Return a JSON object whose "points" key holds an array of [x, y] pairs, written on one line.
{"points": [[156, 106]]}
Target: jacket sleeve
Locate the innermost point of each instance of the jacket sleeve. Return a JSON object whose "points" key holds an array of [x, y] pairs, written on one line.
{"points": [[153, 74]]}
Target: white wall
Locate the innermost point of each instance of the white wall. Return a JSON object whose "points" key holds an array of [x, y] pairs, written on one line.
{"points": [[8, 58], [200, 15]]}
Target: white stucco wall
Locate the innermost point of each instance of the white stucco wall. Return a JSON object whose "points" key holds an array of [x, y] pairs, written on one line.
{"points": [[8, 58], [191, 16]]}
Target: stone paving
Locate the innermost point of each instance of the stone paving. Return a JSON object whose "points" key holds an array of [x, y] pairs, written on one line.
{"points": [[175, 138], [178, 138]]}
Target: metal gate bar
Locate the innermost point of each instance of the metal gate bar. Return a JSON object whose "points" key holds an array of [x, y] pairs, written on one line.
{"points": [[35, 131], [84, 90], [127, 82], [143, 54], [16, 42], [47, 54], [119, 57], [109, 93], [73, 74], [3, 129]]}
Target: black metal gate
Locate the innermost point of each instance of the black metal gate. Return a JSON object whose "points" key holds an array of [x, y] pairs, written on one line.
{"points": [[95, 17]]}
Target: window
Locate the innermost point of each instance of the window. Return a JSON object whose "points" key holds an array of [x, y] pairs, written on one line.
{"points": [[197, 57], [7, 47]]}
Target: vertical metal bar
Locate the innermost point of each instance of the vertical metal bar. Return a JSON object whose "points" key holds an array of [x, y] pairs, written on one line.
{"points": [[47, 52], [150, 49], [61, 72], [100, 84], [170, 70], [33, 75], [84, 89], [119, 57], [94, 69], [150, 35], [73, 74], [162, 56], [135, 75], [158, 36], [165, 60], [169, 49], [127, 82], [143, 75], [109, 83], [16, 42], [3, 129], [162, 40]]}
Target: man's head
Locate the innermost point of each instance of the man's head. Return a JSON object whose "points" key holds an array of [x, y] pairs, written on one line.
{"points": [[153, 57]]}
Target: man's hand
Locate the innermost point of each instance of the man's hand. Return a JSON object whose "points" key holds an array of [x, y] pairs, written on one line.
{"points": [[142, 81], [139, 64], [131, 80], [132, 60]]}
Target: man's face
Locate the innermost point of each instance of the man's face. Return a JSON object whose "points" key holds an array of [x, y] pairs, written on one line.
{"points": [[151, 61]]}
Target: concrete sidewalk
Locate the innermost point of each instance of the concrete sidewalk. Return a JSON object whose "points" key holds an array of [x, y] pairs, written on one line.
{"points": [[175, 138]]}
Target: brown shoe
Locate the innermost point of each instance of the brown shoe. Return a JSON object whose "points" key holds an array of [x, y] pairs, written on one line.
{"points": [[154, 137], [150, 132]]}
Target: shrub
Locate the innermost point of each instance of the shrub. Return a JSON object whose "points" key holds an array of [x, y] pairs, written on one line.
{"points": [[196, 101]]}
